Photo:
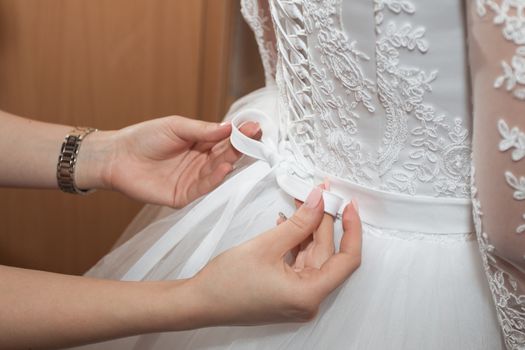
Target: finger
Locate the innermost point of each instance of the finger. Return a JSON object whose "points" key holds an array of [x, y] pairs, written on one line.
{"points": [[210, 182], [294, 252], [341, 265], [281, 218], [198, 130], [351, 242], [324, 235], [224, 152], [322, 186], [297, 228], [322, 246], [227, 152], [250, 129], [299, 261], [306, 242]]}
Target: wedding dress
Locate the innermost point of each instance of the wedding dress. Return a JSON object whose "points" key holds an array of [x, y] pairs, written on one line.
{"points": [[497, 37], [375, 96]]}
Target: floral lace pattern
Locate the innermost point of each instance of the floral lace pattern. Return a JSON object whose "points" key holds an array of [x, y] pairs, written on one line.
{"points": [[510, 304], [513, 139], [519, 192], [510, 15], [261, 24], [327, 93], [402, 90], [339, 67]]}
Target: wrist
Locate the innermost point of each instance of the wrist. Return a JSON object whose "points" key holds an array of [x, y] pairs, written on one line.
{"points": [[94, 161], [181, 306]]}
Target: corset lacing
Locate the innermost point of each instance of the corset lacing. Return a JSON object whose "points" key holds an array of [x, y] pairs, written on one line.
{"points": [[293, 73]]}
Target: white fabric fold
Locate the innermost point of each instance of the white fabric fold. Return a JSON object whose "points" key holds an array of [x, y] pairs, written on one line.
{"points": [[215, 200], [378, 208]]}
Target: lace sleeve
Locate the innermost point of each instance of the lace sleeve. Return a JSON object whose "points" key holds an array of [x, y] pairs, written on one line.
{"points": [[257, 15], [497, 61]]}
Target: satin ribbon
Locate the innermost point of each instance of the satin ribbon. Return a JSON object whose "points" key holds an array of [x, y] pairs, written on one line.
{"points": [[393, 211], [216, 200], [285, 168], [270, 163]]}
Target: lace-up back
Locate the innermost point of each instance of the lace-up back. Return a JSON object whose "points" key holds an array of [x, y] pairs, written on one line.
{"points": [[374, 92]]}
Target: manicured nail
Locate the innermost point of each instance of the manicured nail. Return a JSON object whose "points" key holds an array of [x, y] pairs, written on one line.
{"points": [[224, 124], [356, 206], [326, 183], [313, 199]]}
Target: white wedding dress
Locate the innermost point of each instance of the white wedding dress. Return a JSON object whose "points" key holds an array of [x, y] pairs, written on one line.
{"points": [[373, 94]]}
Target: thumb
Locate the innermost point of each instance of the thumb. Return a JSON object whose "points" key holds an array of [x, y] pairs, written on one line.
{"points": [[302, 224], [341, 265], [198, 130]]}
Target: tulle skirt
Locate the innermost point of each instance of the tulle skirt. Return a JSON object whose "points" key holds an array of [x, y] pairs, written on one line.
{"points": [[412, 291]]}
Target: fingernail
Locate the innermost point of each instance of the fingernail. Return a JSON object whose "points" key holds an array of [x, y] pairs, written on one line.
{"points": [[326, 183], [224, 124], [258, 127], [355, 205], [282, 216], [314, 198]]}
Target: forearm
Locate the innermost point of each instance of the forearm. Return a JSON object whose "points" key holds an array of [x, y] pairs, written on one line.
{"points": [[29, 153], [42, 310]]}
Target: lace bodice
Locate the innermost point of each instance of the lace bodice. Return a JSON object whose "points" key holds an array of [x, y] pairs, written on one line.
{"points": [[374, 92], [377, 92]]}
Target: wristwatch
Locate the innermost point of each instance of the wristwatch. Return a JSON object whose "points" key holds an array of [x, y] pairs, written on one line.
{"points": [[67, 160]]}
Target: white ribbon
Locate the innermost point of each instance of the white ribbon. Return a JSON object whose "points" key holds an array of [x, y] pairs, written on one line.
{"points": [[268, 151], [381, 209], [270, 162], [268, 154], [210, 204]]}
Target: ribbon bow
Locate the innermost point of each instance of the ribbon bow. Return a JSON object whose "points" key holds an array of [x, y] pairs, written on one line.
{"points": [[271, 163], [267, 150]]}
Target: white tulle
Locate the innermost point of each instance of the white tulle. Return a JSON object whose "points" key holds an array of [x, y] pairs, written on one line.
{"points": [[413, 291]]}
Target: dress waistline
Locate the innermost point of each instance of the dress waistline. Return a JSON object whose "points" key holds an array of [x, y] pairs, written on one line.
{"points": [[397, 211], [426, 215]]}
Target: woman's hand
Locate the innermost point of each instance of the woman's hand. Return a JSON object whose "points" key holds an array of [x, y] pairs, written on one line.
{"points": [[257, 283], [254, 283], [318, 247], [169, 161]]}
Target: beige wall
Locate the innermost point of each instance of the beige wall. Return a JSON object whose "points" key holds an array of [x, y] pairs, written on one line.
{"points": [[105, 64]]}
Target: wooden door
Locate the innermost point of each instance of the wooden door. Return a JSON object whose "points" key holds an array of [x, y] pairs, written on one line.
{"points": [[105, 64]]}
